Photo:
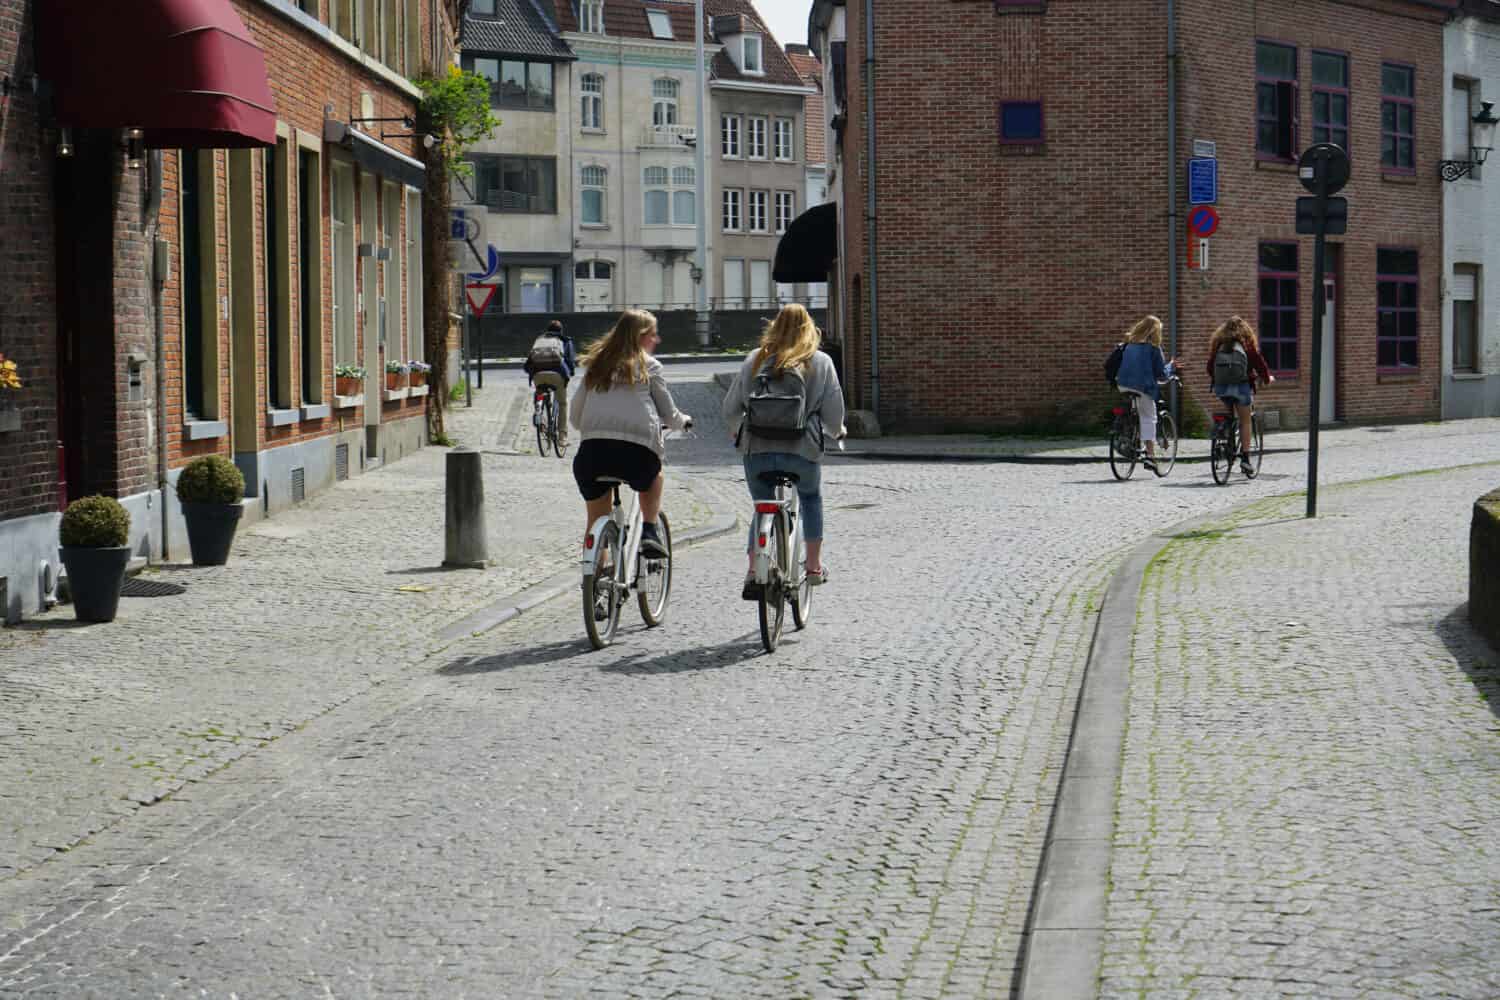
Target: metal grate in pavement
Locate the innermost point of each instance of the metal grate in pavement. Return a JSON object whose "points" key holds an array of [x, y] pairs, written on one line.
{"points": [[136, 587]]}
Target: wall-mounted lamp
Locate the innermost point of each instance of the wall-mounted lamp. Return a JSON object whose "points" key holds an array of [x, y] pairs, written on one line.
{"points": [[135, 147], [1483, 141], [696, 273], [64, 142]]}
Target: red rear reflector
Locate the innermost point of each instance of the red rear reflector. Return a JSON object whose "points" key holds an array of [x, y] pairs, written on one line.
{"points": [[767, 508], [1119, 411], [762, 541], [541, 396], [588, 541], [1219, 418]]}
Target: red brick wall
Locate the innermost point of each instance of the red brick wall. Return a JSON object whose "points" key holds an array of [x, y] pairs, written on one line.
{"points": [[28, 319]]}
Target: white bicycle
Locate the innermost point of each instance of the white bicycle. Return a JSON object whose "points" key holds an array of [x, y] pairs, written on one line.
{"points": [[780, 559], [613, 566]]}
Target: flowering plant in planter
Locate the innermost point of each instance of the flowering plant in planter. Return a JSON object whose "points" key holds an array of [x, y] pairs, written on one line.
{"points": [[348, 380], [395, 372], [9, 377], [419, 370]]}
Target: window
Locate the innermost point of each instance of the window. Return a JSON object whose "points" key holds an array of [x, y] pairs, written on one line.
{"points": [[760, 284], [390, 33], [1397, 105], [1021, 122], [750, 62], [310, 272], [1460, 122], [276, 270], [782, 139], [341, 184], [591, 17], [484, 8], [593, 270], [729, 130], [592, 183], [658, 201], [1275, 100], [536, 290], [1330, 98], [661, 23], [1278, 306], [341, 18], [785, 206], [411, 54], [591, 87], [514, 83], [732, 210], [308, 7], [526, 184], [757, 211], [734, 282], [200, 312], [1396, 309], [1465, 317], [663, 102], [416, 327], [755, 138], [392, 316], [684, 197]]}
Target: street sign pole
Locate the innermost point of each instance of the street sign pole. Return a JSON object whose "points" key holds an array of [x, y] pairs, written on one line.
{"points": [[468, 356], [1323, 170]]}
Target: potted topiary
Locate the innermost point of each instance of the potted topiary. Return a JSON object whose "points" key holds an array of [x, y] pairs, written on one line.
{"points": [[93, 533], [210, 490]]}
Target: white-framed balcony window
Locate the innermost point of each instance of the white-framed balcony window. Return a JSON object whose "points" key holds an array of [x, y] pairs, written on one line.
{"points": [[782, 140], [756, 214], [729, 132], [786, 205], [684, 197], [755, 138], [750, 59], [592, 185], [591, 17], [591, 97], [663, 102], [658, 197], [733, 200]]}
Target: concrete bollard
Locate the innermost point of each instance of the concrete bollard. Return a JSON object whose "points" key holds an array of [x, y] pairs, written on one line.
{"points": [[465, 542]]}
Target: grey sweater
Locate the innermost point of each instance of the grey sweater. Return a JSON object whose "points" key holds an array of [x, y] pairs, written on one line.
{"points": [[825, 407], [634, 412]]}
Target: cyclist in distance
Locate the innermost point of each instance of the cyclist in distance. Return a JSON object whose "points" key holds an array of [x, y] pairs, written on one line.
{"points": [[1142, 366], [551, 361], [775, 435], [621, 413], [1234, 363]]}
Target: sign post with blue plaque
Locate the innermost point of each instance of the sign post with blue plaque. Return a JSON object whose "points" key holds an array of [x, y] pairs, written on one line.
{"points": [[1203, 181]]}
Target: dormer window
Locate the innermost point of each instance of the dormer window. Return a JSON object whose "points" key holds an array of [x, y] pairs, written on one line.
{"points": [[750, 61], [591, 17], [661, 23]]}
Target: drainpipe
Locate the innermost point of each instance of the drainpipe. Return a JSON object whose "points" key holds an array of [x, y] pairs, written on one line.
{"points": [[158, 282], [870, 204], [1174, 402]]}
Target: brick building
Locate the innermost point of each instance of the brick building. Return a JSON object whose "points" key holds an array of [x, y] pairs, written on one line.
{"points": [[206, 209], [1024, 208]]}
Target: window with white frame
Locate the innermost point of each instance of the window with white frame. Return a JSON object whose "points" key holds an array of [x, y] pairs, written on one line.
{"points": [[658, 198], [592, 184], [755, 138], [729, 130], [756, 215], [591, 17], [684, 197], [751, 61], [671, 196], [591, 89], [732, 201], [786, 203], [661, 23], [663, 102], [782, 139]]}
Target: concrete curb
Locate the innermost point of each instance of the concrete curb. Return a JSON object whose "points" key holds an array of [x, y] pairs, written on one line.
{"points": [[1020, 459], [532, 597]]}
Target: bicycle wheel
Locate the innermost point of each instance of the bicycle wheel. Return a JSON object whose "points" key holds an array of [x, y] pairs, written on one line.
{"points": [[773, 594], [1122, 449], [653, 582], [603, 592], [1257, 444], [1221, 456], [1166, 443], [802, 589], [556, 430], [541, 414]]}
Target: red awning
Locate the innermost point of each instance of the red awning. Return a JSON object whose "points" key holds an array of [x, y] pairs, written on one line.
{"points": [[186, 71]]}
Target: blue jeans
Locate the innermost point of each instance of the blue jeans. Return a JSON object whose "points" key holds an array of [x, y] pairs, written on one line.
{"points": [[809, 486]]}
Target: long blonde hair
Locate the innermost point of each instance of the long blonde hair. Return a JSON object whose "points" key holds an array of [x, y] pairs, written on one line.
{"points": [[791, 338], [1147, 330], [618, 356], [1233, 329]]}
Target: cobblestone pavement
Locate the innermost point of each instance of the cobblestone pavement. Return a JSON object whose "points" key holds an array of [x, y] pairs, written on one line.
{"points": [[860, 814], [1311, 779]]}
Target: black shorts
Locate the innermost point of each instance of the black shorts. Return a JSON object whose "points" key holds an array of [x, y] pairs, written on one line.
{"points": [[636, 464]]}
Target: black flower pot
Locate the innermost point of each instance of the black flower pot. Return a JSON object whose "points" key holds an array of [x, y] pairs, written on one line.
{"points": [[210, 528], [95, 578]]}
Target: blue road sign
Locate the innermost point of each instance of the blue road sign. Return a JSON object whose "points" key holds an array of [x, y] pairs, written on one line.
{"points": [[1203, 181]]}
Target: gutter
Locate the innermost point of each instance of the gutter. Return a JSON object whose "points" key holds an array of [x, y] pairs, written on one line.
{"points": [[160, 262], [870, 204], [1174, 403]]}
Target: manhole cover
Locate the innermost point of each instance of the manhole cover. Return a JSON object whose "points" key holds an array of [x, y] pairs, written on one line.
{"points": [[135, 587]]}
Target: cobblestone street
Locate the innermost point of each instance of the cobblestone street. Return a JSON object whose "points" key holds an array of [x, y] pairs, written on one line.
{"points": [[342, 804]]}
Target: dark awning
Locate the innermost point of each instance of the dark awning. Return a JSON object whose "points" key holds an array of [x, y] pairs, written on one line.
{"points": [[188, 72], [809, 247], [375, 156]]}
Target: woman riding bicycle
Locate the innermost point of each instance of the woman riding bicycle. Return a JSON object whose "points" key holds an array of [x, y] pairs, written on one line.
{"points": [[620, 415], [1142, 366], [1234, 376], [790, 345]]}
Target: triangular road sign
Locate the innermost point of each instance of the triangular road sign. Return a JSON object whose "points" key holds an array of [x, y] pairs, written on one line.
{"points": [[479, 297]]}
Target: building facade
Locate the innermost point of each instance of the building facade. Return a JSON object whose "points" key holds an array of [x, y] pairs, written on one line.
{"points": [[815, 167], [1014, 244]]}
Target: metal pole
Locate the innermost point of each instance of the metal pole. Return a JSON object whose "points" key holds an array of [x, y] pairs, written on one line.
{"points": [[870, 205], [1174, 402], [1315, 406], [701, 292], [468, 357]]}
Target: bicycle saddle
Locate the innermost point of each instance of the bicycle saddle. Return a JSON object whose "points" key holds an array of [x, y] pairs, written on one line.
{"points": [[779, 478]]}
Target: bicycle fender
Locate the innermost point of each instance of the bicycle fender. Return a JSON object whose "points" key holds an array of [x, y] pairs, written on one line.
{"points": [[590, 558], [765, 525]]}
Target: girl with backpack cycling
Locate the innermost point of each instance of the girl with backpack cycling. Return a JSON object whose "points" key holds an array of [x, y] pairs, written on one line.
{"points": [[1142, 366], [783, 406], [1234, 363], [620, 414]]}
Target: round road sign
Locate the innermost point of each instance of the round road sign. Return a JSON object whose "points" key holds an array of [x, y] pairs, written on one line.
{"points": [[1203, 220], [1325, 162]]}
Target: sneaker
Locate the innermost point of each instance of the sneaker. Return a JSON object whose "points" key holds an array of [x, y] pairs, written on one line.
{"points": [[651, 543], [1245, 465], [752, 590], [1149, 464], [819, 578]]}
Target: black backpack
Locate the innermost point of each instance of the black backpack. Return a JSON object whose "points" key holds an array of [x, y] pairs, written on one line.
{"points": [[1112, 363], [1231, 365], [776, 407]]}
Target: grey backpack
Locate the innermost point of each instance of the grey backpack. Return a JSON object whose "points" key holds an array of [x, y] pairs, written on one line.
{"points": [[546, 355], [776, 408], [1231, 365]]}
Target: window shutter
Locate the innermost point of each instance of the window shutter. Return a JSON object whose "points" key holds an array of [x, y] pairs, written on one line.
{"points": [[1286, 115], [1463, 286]]}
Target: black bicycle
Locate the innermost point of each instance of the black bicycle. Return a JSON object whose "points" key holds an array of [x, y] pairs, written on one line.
{"points": [[1125, 449], [545, 416], [1226, 445]]}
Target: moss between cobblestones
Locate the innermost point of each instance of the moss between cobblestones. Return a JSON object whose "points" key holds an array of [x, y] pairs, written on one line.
{"points": [[1484, 567]]}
